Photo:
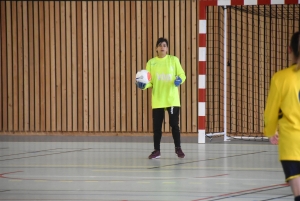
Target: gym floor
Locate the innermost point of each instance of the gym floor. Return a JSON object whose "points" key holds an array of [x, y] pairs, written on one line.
{"points": [[117, 169]]}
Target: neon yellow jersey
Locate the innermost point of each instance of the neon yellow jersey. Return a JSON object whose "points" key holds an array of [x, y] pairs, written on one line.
{"points": [[283, 109], [163, 72]]}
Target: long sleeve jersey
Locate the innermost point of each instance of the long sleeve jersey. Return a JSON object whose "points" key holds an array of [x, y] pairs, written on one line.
{"points": [[283, 110], [163, 73]]}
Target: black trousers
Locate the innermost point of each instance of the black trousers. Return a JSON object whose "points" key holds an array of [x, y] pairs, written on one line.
{"points": [[158, 117]]}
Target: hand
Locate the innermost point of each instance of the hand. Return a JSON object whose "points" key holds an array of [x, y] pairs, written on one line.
{"points": [[274, 139], [177, 81], [140, 85]]}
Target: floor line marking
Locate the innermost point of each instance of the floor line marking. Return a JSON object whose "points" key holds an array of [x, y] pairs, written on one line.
{"points": [[239, 193], [207, 159], [46, 154], [110, 180], [30, 152], [278, 197]]}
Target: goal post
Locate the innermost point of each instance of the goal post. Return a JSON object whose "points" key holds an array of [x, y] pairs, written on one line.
{"points": [[241, 94]]}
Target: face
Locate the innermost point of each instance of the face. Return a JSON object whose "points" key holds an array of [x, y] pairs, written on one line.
{"points": [[162, 49]]}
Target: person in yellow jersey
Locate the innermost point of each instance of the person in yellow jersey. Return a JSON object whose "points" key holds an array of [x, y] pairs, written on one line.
{"points": [[283, 110], [166, 75]]}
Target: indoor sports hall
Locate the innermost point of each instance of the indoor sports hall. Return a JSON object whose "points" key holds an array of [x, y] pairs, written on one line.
{"points": [[75, 126]]}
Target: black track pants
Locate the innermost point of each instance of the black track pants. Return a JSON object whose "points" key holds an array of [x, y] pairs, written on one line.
{"points": [[158, 117]]}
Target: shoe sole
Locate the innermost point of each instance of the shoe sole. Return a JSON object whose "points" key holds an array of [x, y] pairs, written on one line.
{"points": [[180, 157], [155, 157]]}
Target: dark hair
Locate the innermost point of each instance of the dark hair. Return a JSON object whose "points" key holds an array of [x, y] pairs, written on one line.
{"points": [[295, 46], [160, 40]]}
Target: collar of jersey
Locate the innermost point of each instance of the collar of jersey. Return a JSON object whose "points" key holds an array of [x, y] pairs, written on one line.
{"points": [[162, 58]]}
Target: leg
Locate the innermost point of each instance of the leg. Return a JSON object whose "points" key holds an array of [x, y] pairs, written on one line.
{"points": [[158, 117], [174, 123], [295, 186], [291, 170]]}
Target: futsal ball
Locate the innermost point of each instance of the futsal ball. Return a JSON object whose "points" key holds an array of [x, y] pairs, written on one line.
{"points": [[143, 76]]}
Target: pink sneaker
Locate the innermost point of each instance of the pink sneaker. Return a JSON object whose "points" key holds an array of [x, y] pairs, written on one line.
{"points": [[179, 152], [154, 154]]}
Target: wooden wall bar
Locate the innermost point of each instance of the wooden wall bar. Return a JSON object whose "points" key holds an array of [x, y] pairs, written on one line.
{"points": [[69, 66]]}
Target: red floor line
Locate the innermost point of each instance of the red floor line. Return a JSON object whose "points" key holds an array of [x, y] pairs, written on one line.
{"points": [[1, 175]]}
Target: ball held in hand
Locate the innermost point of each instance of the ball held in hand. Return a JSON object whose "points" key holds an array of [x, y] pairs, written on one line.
{"points": [[143, 76]]}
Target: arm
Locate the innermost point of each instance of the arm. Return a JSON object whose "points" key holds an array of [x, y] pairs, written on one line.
{"points": [[179, 70], [272, 110], [148, 68]]}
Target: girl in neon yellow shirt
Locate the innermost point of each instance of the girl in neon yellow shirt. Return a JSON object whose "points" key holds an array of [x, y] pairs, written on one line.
{"points": [[166, 75], [283, 109]]}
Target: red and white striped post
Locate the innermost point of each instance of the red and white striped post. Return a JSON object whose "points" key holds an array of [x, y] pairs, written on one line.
{"points": [[202, 50]]}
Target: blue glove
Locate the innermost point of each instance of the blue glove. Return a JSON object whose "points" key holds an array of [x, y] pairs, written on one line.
{"points": [[177, 81], [140, 85]]}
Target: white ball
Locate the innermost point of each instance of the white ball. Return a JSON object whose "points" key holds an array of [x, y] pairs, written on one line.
{"points": [[143, 76]]}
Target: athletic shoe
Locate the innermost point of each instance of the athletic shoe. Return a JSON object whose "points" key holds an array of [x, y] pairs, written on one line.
{"points": [[154, 154], [179, 152]]}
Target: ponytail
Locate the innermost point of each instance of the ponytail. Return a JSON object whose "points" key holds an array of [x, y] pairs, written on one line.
{"points": [[295, 45]]}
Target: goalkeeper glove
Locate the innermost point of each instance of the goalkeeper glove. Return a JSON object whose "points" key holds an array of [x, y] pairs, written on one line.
{"points": [[140, 85], [177, 81]]}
